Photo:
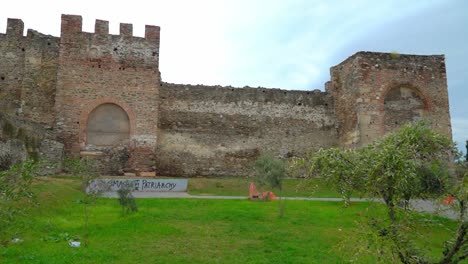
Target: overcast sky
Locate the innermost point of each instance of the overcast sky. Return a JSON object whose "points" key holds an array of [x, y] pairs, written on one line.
{"points": [[276, 43]]}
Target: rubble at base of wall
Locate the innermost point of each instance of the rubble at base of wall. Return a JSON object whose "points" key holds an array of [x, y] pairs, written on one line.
{"points": [[107, 160], [21, 139], [14, 150], [51, 152]]}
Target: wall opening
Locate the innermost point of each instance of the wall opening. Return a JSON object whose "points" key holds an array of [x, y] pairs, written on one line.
{"points": [[108, 124], [402, 105]]}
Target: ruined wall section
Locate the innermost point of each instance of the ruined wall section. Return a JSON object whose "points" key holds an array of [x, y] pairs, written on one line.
{"points": [[28, 70], [40, 77], [20, 138], [12, 49], [343, 86], [97, 68], [220, 131], [361, 84]]}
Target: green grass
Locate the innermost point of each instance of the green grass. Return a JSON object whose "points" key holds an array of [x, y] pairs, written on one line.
{"points": [[185, 230], [240, 187]]}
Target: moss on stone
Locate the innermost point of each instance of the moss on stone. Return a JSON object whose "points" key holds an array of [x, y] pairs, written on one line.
{"points": [[8, 129]]}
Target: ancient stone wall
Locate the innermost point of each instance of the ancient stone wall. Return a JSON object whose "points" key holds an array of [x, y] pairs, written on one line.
{"points": [[375, 93], [40, 77], [101, 95], [21, 138], [12, 48], [99, 68], [220, 131], [28, 72]]}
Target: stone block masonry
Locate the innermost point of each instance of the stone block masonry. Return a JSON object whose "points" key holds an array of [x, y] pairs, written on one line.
{"points": [[101, 93], [213, 131]]}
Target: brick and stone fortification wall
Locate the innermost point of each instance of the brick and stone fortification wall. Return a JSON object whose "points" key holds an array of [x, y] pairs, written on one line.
{"points": [[40, 78], [99, 68], [28, 72], [101, 95], [220, 131], [375, 93], [11, 65]]}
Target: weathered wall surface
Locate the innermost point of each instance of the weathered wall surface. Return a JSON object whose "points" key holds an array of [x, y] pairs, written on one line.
{"points": [[212, 130], [402, 105], [40, 77], [375, 93], [11, 65], [28, 72], [97, 68], [20, 138]]}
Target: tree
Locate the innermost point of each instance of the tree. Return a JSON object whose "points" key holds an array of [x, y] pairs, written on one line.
{"points": [[271, 171], [410, 163]]}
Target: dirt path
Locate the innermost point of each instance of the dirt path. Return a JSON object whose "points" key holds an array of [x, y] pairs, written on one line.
{"points": [[427, 206]]}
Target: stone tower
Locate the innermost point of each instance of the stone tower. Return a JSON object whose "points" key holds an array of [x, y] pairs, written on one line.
{"points": [[107, 89], [375, 93]]}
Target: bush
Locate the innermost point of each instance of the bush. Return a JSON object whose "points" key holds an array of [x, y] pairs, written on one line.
{"points": [[126, 199]]}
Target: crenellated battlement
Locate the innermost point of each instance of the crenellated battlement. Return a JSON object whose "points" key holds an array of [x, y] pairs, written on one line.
{"points": [[152, 32], [73, 24], [101, 27], [126, 30], [106, 51], [15, 27]]}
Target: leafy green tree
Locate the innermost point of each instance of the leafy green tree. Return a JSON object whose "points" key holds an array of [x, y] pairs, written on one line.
{"points": [[402, 166], [271, 171], [337, 163], [456, 249]]}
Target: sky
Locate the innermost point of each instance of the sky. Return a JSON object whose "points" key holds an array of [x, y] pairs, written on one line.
{"points": [[276, 43]]}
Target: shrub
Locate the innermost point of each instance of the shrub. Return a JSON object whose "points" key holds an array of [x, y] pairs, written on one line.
{"points": [[126, 199]]}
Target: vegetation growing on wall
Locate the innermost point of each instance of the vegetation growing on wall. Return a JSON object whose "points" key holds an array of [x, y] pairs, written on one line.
{"points": [[31, 143]]}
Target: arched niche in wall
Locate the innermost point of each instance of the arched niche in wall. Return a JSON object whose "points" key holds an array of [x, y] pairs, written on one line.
{"points": [[402, 105], [108, 124]]}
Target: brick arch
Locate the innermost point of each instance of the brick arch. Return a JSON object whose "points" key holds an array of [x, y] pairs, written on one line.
{"points": [[426, 99], [427, 102], [89, 108]]}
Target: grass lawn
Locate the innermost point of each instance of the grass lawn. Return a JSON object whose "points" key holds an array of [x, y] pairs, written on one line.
{"points": [[240, 187], [186, 230]]}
